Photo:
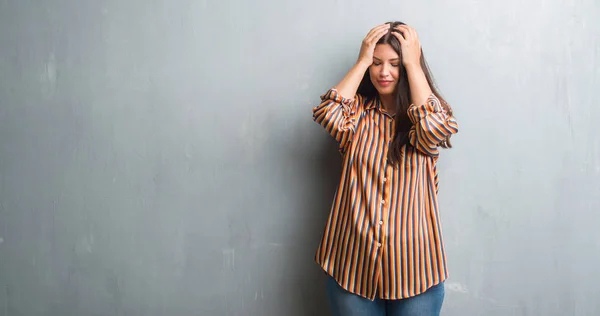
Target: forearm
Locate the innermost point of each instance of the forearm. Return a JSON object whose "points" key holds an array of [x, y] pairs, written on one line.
{"points": [[348, 86], [431, 123], [419, 87]]}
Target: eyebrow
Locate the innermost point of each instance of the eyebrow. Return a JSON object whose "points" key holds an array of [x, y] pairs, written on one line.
{"points": [[394, 59]]}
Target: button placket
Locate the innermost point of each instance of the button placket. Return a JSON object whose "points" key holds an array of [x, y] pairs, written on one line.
{"points": [[385, 202], [381, 231]]}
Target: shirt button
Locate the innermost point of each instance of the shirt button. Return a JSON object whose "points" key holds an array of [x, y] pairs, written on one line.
{"points": [[380, 222], [378, 244], [384, 179], [382, 201]]}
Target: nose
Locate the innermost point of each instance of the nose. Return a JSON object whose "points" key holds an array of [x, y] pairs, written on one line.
{"points": [[385, 70]]}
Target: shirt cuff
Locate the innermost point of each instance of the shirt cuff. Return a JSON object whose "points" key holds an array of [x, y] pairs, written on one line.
{"points": [[333, 95], [433, 104]]}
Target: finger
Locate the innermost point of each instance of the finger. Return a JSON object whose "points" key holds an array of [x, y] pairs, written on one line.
{"points": [[380, 35], [378, 28], [400, 37], [412, 33], [405, 30], [377, 35], [403, 38], [404, 26]]}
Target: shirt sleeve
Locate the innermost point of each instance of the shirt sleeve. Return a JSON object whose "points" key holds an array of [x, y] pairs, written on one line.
{"points": [[339, 116], [431, 126]]}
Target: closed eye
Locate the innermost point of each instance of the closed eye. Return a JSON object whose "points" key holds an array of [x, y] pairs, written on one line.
{"points": [[395, 62]]}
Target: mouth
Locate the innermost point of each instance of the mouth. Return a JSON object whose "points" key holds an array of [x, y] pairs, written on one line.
{"points": [[384, 83]]}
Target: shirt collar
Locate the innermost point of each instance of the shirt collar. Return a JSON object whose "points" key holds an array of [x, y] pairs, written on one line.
{"points": [[373, 104]]}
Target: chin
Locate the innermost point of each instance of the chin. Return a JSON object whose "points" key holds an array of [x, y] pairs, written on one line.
{"points": [[385, 91]]}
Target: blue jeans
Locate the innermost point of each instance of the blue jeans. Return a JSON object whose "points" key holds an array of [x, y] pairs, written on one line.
{"points": [[344, 303]]}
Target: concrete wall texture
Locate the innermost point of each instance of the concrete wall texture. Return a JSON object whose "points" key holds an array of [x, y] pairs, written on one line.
{"points": [[159, 157]]}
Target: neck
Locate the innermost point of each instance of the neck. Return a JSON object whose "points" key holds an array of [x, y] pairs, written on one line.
{"points": [[389, 103]]}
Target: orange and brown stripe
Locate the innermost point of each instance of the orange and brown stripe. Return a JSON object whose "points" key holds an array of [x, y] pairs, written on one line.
{"points": [[383, 236]]}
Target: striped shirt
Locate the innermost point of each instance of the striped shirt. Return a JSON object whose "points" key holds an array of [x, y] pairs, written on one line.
{"points": [[383, 236]]}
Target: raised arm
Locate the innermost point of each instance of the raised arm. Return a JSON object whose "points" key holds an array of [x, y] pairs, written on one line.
{"points": [[340, 107], [431, 123]]}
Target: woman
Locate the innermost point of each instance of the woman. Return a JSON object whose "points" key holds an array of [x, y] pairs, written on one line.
{"points": [[382, 246]]}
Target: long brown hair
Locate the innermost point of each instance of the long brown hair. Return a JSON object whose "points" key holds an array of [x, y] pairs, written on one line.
{"points": [[403, 97]]}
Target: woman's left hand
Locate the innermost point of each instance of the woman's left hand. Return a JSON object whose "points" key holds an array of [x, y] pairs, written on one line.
{"points": [[409, 42]]}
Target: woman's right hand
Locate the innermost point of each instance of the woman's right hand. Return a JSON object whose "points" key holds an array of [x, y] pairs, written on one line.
{"points": [[348, 86], [368, 44]]}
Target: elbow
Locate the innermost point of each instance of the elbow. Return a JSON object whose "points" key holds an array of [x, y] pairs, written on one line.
{"points": [[423, 144]]}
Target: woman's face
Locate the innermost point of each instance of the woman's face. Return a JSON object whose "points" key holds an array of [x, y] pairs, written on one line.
{"points": [[385, 70]]}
